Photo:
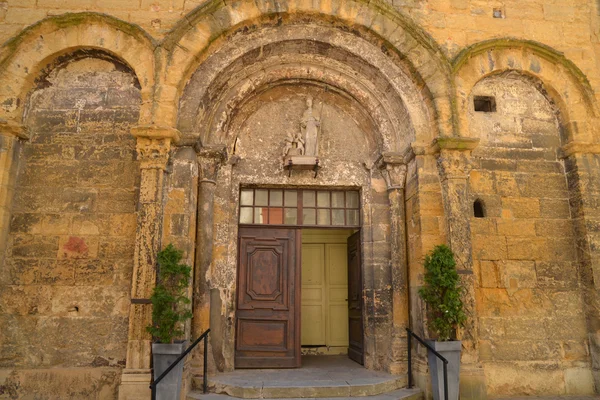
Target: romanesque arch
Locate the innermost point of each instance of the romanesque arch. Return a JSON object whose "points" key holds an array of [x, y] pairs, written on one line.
{"points": [[190, 43], [24, 57], [564, 82]]}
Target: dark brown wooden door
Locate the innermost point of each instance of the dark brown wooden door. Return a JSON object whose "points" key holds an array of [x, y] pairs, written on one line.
{"points": [[355, 300], [268, 298]]}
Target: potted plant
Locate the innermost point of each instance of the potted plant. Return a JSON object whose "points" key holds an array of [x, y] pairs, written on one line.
{"points": [[169, 311], [442, 294]]}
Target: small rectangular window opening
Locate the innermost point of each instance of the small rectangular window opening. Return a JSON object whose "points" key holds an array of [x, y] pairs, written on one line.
{"points": [[484, 104]]}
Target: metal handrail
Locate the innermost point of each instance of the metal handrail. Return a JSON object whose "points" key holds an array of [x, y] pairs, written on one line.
{"points": [[438, 355], [181, 357]]}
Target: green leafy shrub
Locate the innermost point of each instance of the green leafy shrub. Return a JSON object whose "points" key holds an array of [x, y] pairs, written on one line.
{"points": [[169, 297], [442, 294]]}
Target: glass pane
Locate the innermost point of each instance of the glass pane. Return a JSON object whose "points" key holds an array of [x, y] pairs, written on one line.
{"points": [[308, 216], [275, 216], [352, 217], [260, 215], [337, 199], [291, 198], [322, 199], [323, 217], [337, 217], [308, 198], [276, 198], [246, 197], [246, 215], [261, 197], [291, 216], [352, 199]]}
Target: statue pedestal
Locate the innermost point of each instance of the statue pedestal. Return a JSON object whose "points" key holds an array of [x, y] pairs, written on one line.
{"points": [[301, 163]]}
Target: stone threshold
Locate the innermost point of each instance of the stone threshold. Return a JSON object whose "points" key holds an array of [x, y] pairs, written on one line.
{"points": [[402, 394], [319, 377]]}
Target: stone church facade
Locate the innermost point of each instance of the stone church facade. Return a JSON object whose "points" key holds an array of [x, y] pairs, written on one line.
{"points": [[128, 125]]}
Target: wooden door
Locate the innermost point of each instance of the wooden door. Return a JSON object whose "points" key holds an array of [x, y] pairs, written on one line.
{"points": [[337, 294], [268, 299], [313, 295], [355, 300]]}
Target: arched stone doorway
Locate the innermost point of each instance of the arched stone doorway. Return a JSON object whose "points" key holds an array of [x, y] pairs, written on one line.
{"points": [[240, 104]]}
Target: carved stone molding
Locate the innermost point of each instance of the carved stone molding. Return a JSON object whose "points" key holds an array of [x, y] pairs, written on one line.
{"points": [[393, 168], [10, 128], [578, 148], [154, 144], [210, 159]]}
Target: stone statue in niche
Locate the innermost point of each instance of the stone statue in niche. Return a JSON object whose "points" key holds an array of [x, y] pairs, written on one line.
{"points": [[302, 148], [309, 125]]}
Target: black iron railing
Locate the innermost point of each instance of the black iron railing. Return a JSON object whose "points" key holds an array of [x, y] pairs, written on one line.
{"points": [[204, 337], [410, 335]]}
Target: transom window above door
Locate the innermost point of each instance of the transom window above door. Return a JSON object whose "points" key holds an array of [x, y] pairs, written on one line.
{"points": [[305, 207]]}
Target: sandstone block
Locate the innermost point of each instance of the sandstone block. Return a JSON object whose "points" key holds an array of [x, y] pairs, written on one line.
{"points": [[522, 207], [488, 247]]}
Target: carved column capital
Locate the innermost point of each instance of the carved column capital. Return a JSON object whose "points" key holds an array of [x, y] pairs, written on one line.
{"points": [[210, 159], [454, 156], [393, 167], [154, 144]]}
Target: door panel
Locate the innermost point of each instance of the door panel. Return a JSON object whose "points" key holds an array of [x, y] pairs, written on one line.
{"points": [[313, 295], [267, 325], [337, 294], [355, 300]]}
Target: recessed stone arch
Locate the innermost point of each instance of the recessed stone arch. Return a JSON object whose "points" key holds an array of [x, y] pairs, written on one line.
{"points": [[399, 104], [24, 57], [374, 28], [559, 78]]}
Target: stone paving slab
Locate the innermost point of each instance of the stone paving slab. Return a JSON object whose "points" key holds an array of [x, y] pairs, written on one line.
{"points": [[402, 394]]}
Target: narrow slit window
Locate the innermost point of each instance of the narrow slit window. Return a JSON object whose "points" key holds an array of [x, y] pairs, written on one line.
{"points": [[484, 104], [478, 209]]}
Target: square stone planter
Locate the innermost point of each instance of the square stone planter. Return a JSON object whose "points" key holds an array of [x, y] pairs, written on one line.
{"points": [[451, 352], [163, 355]]}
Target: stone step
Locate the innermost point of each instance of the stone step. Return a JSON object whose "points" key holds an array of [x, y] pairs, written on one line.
{"points": [[401, 394], [242, 387]]}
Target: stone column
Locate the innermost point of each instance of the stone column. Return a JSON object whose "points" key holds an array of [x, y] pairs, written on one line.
{"points": [[153, 147], [210, 159], [393, 168], [10, 135], [581, 167], [454, 164]]}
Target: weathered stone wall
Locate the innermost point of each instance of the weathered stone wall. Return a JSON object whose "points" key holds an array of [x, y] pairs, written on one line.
{"points": [[65, 286], [529, 302], [400, 75]]}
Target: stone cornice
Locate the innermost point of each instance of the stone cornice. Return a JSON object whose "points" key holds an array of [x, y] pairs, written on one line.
{"points": [[578, 148], [156, 132], [455, 143], [9, 128]]}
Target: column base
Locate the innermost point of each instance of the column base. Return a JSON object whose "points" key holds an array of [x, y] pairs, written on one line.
{"points": [[135, 384]]}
